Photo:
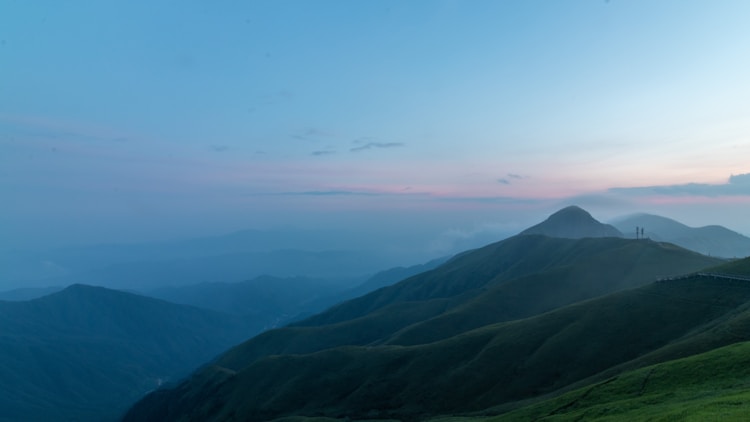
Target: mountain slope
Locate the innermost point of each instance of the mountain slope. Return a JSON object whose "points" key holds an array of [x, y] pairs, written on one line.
{"points": [[380, 353], [85, 353], [475, 370], [710, 240], [608, 265], [708, 386], [460, 293], [573, 223]]}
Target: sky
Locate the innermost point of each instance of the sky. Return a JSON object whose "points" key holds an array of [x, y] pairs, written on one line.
{"points": [[153, 120]]}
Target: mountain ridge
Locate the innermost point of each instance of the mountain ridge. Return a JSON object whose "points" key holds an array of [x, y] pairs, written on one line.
{"points": [[713, 240]]}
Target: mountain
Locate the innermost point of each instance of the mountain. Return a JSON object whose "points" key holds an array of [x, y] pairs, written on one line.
{"points": [[479, 369], [709, 240], [265, 297], [28, 293], [274, 252], [707, 386], [466, 335], [86, 353], [274, 301], [574, 223], [236, 267], [378, 280]]}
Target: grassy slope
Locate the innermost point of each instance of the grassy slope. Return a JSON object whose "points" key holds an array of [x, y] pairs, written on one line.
{"points": [[593, 268], [478, 288], [709, 386], [478, 369], [734, 326]]}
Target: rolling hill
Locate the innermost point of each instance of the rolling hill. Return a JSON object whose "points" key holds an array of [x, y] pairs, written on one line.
{"points": [[478, 369], [478, 331], [86, 353]]}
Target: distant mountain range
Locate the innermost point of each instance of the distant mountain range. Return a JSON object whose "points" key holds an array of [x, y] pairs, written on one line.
{"points": [[708, 240], [274, 301], [575, 223], [144, 275], [492, 326], [85, 353], [228, 258]]}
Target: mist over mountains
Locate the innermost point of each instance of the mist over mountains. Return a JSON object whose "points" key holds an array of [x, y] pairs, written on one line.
{"points": [[709, 240], [434, 343], [484, 331]]}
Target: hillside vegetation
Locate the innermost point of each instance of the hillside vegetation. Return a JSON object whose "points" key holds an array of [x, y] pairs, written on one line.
{"points": [[433, 344], [709, 386]]}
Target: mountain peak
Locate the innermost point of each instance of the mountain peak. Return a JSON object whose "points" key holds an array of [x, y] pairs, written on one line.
{"points": [[572, 211], [572, 222]]}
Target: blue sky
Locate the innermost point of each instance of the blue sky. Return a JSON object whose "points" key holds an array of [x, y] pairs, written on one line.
{"points": [[128, 121]]}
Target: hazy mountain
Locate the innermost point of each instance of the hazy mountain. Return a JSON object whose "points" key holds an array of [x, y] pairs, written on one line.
{"points": [[33, 265], [85, 353], [378, 280], [232, 257], [273, 301], [574, 223], [440, 341], [269, 300], [146, 275], [709, 240], [390, 276], [28, 293]]}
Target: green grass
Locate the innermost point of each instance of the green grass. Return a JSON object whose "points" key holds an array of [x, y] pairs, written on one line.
{"points": [[710, 386]]}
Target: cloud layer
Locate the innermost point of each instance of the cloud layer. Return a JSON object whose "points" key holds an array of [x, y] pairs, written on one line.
{"points": [[374, 145], [737, 185]]}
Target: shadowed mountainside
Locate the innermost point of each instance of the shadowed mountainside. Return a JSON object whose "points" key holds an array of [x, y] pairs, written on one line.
{"points": [[422, 346], [85, 353], [478, 369]]}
